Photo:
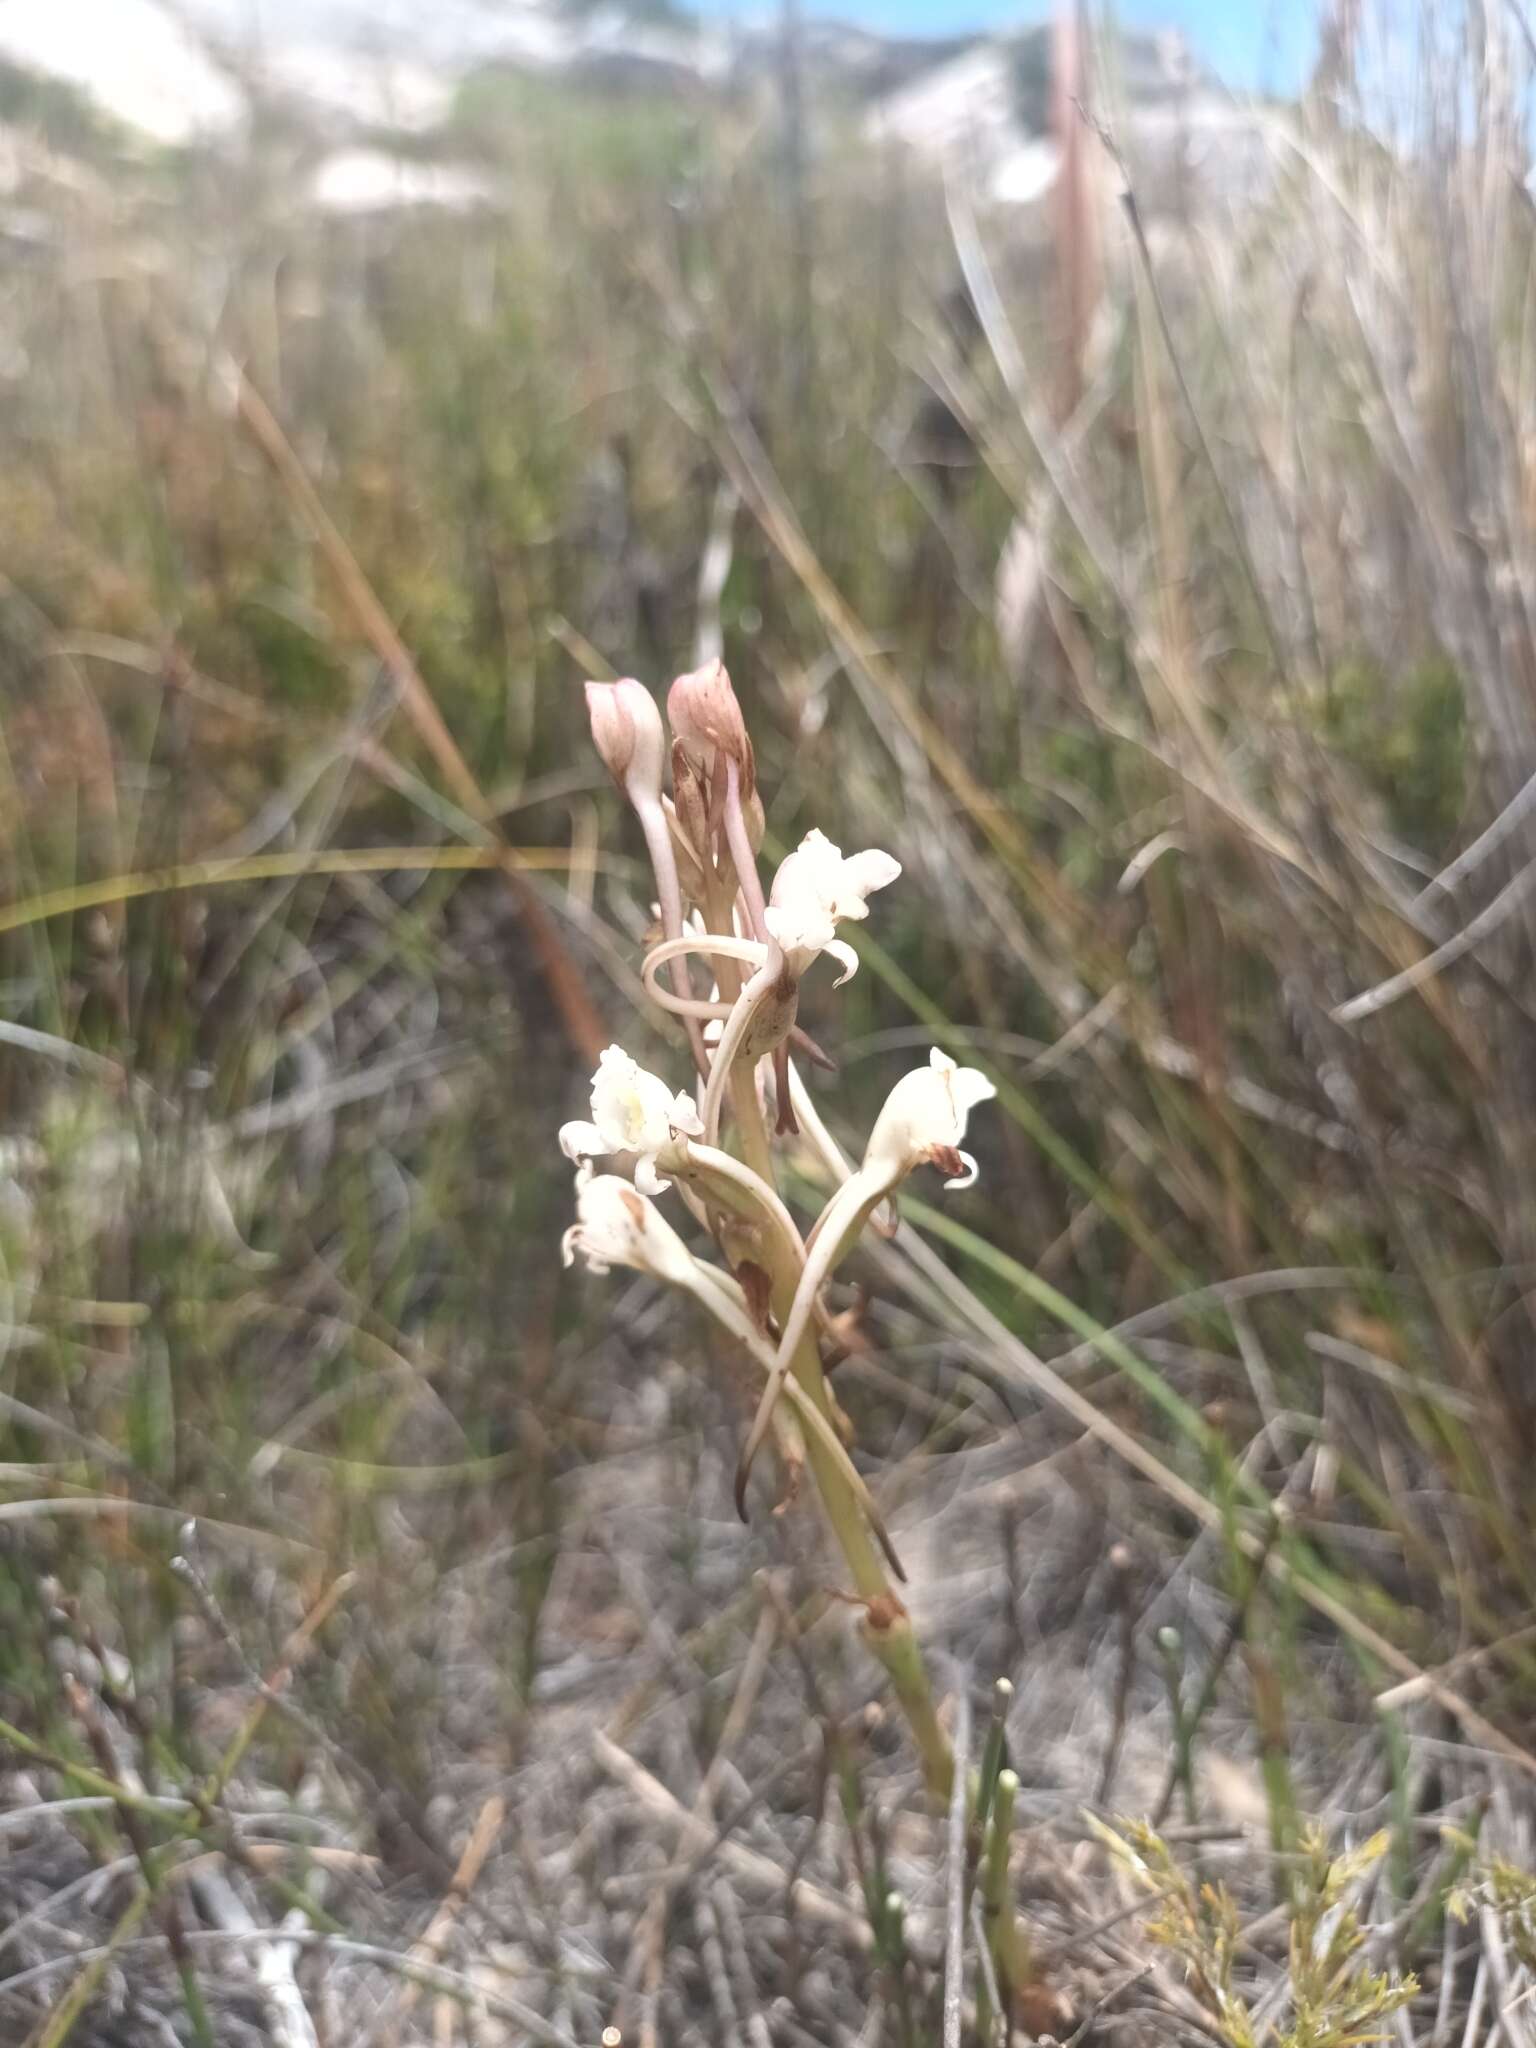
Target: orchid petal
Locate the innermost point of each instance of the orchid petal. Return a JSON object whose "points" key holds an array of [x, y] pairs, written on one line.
{"points": [[964, 1180], [583, 1141], [845, 957], [800, 926], [685, 1116], [570, 1244], [972, 1088], [864, 873]]}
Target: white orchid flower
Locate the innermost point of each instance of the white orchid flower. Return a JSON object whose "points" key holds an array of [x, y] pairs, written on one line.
{"points": [[635, 1112], [616, 1226], [924, 1119], [922, 1123], [632, 1111], [815, 887]]}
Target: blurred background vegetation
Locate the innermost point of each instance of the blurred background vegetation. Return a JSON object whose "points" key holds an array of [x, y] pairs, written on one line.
{"points": [[1149, 567]]}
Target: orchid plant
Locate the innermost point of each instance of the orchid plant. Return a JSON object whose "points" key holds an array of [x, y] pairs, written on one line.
{"points": [[711, 1144]]}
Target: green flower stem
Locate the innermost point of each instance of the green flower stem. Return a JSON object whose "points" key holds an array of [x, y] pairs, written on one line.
{"points": [[887, 1628], [1005, 1936], [755, 1148]]}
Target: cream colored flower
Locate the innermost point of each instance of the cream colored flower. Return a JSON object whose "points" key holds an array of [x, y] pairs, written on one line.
{"points": [[616, 1226], [632, 1111], [814, 888], [924, 1119]]}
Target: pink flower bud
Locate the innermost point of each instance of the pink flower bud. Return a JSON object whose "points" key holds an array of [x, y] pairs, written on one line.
{"points": [[706, 717], [628, 734]]}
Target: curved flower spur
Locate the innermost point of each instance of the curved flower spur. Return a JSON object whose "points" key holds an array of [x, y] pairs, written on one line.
{"points": [[715, 1144]]}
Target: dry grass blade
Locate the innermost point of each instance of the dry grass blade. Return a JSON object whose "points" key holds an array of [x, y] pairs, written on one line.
{"points": [[1511, 898], [955, 1876], [566, 985], [749, 1864], [56, 2029], [262, 867], [429, 1947]]}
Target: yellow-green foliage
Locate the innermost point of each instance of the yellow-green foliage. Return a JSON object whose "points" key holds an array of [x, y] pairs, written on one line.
{"points": [[1334, 2001], [1510, 1892]]}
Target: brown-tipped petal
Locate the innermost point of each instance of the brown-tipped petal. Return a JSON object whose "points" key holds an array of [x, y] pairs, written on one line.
{"points": [[948, 1159]]}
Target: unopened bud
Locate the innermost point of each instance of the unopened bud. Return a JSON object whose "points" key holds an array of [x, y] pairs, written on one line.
{"points": [[628, 734], [707, 719]]}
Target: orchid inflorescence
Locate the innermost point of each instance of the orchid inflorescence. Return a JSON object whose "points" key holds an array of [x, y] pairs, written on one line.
{"points": [[712, 1141]]}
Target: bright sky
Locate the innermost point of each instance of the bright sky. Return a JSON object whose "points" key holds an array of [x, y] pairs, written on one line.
{"points": [[1252, 44], [128, 50]]}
